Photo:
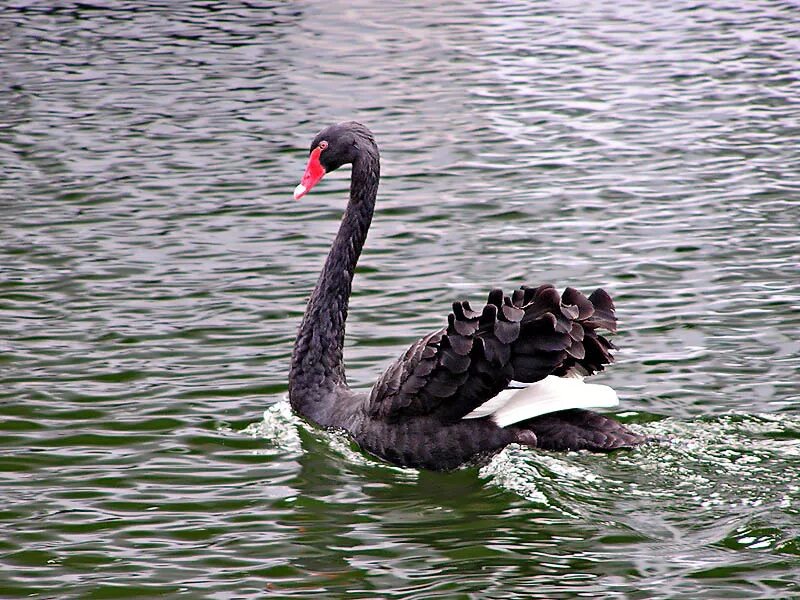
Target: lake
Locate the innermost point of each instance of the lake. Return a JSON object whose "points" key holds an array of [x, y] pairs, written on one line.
{"points": [[154, 269]]}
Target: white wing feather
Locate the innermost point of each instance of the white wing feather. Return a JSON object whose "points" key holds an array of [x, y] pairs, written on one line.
{"points": [[551, 394]]}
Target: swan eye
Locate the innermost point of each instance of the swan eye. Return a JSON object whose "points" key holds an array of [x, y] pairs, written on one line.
{"points": [[323, 144]]}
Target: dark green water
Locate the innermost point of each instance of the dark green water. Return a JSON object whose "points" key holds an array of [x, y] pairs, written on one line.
{"points": [[153, 270]]}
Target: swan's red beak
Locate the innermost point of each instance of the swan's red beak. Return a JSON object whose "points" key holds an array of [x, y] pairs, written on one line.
{"points": [[314, 172]]}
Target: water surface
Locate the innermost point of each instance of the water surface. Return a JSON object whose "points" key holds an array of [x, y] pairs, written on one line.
{"points": [[154, 268]]}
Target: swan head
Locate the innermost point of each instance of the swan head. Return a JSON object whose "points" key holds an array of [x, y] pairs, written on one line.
{"points": [[331, 148]]}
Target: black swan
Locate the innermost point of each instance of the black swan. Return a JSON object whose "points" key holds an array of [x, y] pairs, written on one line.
{"points": [[509, 373]]}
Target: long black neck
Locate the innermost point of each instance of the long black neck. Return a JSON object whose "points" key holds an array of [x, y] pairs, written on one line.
{"points": [[317, 362]]}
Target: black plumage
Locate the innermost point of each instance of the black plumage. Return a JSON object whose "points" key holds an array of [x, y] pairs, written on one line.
{"points": [[414, 415]]}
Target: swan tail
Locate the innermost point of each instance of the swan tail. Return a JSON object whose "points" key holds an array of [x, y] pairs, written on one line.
{"points": [[576, 429]]}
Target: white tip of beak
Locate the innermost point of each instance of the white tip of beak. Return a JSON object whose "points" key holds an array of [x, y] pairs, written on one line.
{"points": [[299, 191]]}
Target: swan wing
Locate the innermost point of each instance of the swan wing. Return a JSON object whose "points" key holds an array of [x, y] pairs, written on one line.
{"points": [[534, 333]]}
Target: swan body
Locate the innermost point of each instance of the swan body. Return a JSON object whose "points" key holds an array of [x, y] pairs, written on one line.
{"points": [[446, 401]]}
